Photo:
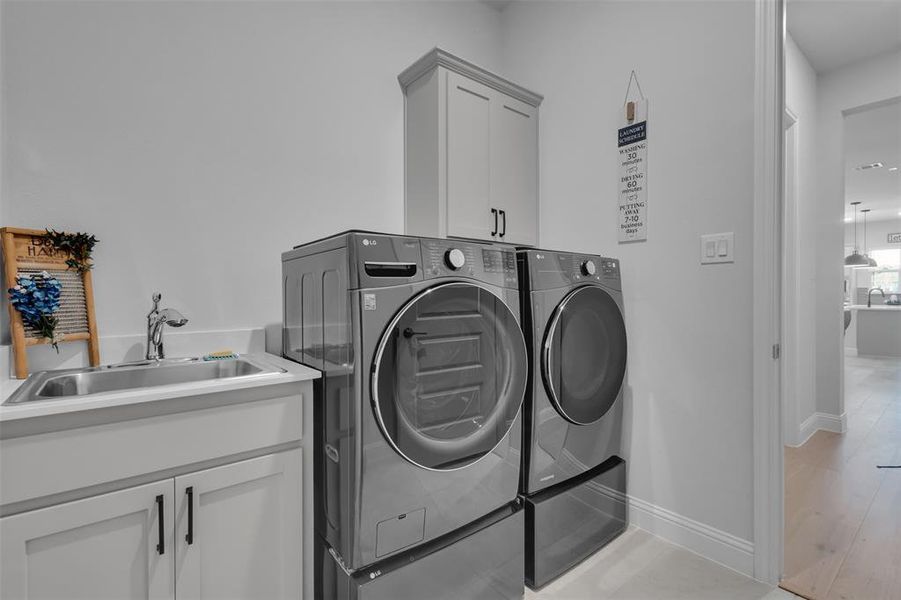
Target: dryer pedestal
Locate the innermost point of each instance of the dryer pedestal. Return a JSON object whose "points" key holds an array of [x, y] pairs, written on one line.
{"points": [[569, 522]]}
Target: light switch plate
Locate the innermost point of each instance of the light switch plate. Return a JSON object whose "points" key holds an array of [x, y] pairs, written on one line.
{"points": [[717, 248]]}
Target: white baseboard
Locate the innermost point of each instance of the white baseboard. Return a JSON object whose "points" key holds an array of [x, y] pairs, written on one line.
{"points": [[818, 421], [805, 430], [836, 423], [711, 543]]}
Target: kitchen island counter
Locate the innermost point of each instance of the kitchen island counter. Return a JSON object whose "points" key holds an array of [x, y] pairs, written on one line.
{"points": [[878, 330]]}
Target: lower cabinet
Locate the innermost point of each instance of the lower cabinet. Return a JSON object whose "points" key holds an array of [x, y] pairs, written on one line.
{"points": [[238, 530], [116, 545], [233, 531]]}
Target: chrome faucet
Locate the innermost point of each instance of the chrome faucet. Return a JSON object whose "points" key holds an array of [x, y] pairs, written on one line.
{"points": [[156, 319], [869, 296]]}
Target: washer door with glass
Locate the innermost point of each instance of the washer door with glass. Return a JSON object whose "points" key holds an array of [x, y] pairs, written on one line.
{"points": [[584, 355], [449, 376]]}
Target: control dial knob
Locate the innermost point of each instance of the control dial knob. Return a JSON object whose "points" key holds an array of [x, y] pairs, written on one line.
{"points": [[589, 268], [454, 258]]}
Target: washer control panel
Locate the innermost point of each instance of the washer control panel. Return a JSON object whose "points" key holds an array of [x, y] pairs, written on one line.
{"points": [[498, 261], [454, 259], [496, 265]]}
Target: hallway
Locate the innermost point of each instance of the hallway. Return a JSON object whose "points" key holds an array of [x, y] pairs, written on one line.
{"points": [[842, 515]]}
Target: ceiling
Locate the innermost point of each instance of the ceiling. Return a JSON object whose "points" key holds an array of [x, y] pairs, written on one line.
{"points": [[835, 33], [874, 136]]}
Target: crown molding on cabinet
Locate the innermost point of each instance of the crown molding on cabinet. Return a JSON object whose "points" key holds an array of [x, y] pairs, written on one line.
{"points": [[437, 57]]}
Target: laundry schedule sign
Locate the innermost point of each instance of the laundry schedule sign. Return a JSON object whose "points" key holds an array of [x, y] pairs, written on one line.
{"points": [[632, 143]]}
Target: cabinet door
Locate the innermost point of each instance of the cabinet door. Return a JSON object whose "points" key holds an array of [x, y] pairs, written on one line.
{"points": [[468, 158], [238, 530], [106, 546], [514, 169]]}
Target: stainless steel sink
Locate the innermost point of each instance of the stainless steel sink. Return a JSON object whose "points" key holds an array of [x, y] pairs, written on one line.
{"points": [[47, 385]]}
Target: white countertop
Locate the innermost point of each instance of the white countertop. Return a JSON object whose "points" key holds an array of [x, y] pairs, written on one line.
{"points": [[292, 372], [877, 307]]}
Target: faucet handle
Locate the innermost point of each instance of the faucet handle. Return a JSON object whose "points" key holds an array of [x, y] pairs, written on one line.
{"points": [[156, 304]]}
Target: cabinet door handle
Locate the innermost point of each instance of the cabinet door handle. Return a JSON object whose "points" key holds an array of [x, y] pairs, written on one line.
{"points": [[494, 212], [161, 543], [189, 537], [504, 217]]}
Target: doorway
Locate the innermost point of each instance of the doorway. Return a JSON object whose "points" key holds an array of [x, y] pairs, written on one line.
{"points": [[842, 526]]}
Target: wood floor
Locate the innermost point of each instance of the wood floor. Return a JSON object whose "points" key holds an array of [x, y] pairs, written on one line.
{"points": [[842, 514]]}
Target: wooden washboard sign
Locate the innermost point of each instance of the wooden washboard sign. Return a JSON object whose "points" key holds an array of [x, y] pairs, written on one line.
{"points": [[27, 251]]}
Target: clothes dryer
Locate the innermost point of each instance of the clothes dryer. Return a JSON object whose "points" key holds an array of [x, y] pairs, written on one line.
{"points": [[573, 476]]}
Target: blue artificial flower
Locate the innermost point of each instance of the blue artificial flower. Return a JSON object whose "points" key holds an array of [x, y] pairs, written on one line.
{"points": [[37, 298]]}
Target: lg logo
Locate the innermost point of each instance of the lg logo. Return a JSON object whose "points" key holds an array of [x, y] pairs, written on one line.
{"points": [[368, 242]]}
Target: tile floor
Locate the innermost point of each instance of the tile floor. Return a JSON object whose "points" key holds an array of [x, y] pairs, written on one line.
{"points": [[640, 566], [842, 514]]}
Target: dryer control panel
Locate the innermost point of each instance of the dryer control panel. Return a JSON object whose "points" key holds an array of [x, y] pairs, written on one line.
{"points": [[584, 267], [548, 269], [610, 268]]}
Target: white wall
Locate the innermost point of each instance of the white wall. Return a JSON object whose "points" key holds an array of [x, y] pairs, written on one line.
{"points": [[845, 89], [199, 140], [800, 99], [689, 410]]}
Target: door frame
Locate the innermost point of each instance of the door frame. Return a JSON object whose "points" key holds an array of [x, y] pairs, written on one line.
{"points": [[769, 103], [793, 385]]}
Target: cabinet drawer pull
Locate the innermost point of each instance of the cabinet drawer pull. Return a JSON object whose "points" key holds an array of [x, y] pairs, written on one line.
{"points": [[504, 217], [189, 537], [494, 212], [161, 543]]}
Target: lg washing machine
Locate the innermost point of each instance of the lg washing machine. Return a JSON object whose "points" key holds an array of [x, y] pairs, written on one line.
{"points": [[417, 421]]}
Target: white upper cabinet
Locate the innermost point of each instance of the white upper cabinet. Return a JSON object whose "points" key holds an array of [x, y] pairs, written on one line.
{"points": [[469, 108], [471, 153], [514, 168]]}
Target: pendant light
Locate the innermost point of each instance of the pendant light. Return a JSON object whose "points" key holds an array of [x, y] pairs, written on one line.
{"points": [[856, 259], [870, 262]]}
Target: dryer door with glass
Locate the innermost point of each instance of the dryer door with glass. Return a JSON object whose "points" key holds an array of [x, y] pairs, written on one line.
{"points": [[584, 355], [449, 376]]}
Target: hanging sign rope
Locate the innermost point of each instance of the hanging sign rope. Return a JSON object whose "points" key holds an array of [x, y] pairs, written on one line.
{"points": [[632, 142]]}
